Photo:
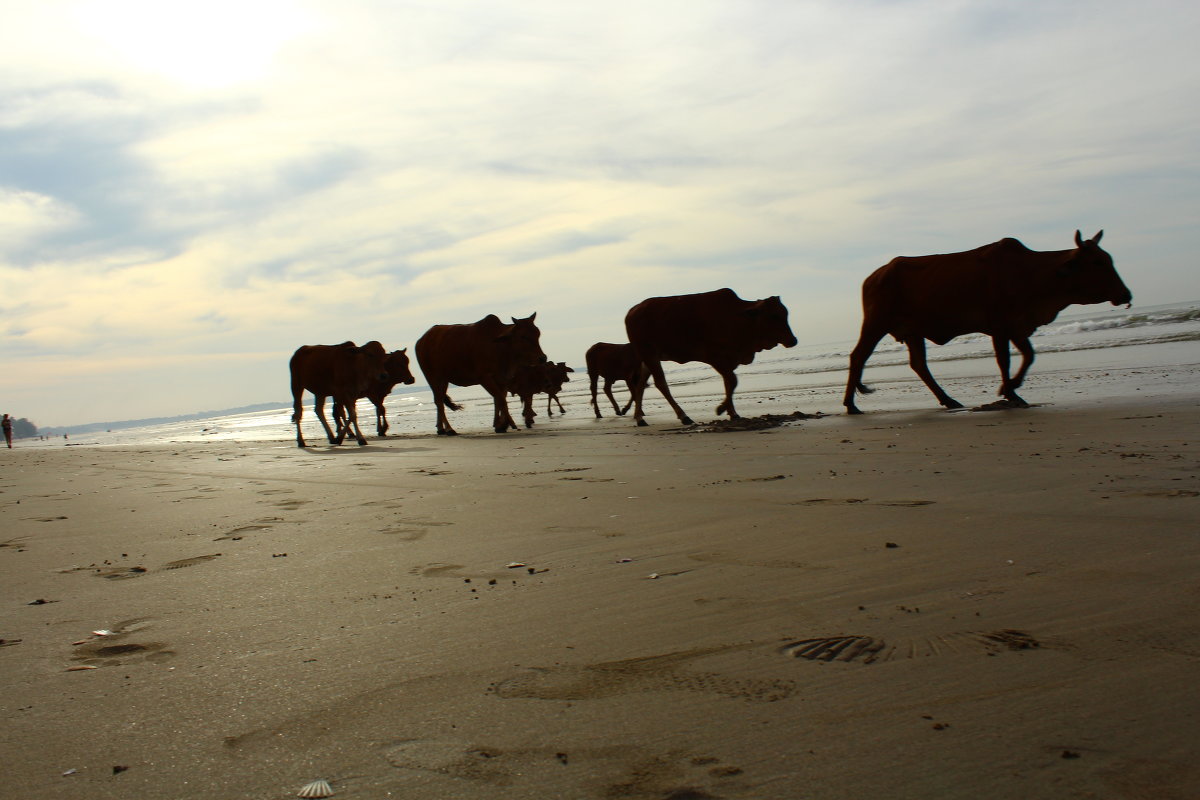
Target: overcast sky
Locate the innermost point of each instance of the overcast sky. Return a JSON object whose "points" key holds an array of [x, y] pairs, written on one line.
{"points": [[188, 192]]}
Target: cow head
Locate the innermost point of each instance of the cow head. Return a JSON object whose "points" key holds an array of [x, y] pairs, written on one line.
{"points": [[769, 324], [558, 374], [397, 367], [369, 364], [524, 341], [1088, 275]]}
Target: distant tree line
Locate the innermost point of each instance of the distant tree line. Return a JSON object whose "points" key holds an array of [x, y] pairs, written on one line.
{"points": [[23, 428]]}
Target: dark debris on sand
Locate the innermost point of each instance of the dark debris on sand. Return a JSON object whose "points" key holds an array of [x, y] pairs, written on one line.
{"points": [[764, 422]]}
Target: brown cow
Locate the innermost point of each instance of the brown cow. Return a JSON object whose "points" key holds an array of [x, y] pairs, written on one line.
{"points": [[1003, 290], [487, 352], [342, 371], [612, 362], [397, 370], [717, 328], [534, 379]]}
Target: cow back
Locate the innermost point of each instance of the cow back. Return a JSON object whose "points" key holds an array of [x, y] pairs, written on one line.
{"points": [[717, 328], [483, 352], [1002, 288]]}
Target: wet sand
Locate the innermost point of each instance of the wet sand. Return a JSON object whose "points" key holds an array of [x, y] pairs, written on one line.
{"points": [[911, 603]]}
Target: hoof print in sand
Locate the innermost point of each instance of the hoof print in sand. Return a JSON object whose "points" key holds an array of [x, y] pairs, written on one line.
{"points": [[868, 649]]}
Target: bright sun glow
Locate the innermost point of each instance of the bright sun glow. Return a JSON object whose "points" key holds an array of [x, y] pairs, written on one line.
{"points": [[205, 45]]}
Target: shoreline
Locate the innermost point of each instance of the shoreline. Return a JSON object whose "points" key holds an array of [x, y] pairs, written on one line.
{"points": [[1015, 593]]}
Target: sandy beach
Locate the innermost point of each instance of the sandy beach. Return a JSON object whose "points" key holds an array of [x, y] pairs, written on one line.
{"points": [[913, 603]]}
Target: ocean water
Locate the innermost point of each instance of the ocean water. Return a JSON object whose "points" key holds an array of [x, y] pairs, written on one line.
{"points": [[1078, 347]]}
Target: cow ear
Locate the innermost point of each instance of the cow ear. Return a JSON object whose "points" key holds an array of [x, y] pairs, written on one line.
{"points": [[402, 350], [1078, 238], [1096, 239]]}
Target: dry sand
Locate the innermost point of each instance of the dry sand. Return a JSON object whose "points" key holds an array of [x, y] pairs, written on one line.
{"points": [[913, 604]]}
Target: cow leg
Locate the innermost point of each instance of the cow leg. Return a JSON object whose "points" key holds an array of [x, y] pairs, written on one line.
{"points": [[867, 342], [625, 410], [441, 400], [339, 420], [660, 380], [381, 423], [527, 411], [1025, 347], [638, 388], [319, 408], [731, 383], [557, 402], [501, 419], [1008, 388], [298, 413], [916, 359], [594, 379], [350, 425], [608, 382]]}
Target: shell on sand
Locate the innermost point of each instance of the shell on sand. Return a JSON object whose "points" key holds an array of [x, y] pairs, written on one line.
{"points": [[316, 789]]}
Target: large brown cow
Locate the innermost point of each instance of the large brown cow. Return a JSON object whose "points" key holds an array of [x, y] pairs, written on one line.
{"points": [[341, 371], [487, 353], [1003, 290], [716, 328], [612, 362], [535, 379], [396, 368]]}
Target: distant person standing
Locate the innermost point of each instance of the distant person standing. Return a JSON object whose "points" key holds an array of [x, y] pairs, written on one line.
{"points": [[8, 431]]}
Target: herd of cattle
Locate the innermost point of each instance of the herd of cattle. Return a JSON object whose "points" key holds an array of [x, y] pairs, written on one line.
{"points": [[1003, 290]]}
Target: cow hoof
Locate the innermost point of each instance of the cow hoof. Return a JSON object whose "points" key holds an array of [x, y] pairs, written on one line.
{"points": [[686, 420], [952, 404], [448, 432], [643, 424], [853, 410]]}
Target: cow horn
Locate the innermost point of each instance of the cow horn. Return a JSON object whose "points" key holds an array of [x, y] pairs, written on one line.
{"points": [[1096, 238], [1078, 238]]}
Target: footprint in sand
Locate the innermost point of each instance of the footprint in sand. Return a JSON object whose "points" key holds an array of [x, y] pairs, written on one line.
{"points": [[720, 557], [635, 771], [410, 530], [869, 649], [115, 573], [1147, 493], [456, 759], [821, 501], [190, 562], [117, 648], [290, 505], [650, 673], [238, 533]]}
